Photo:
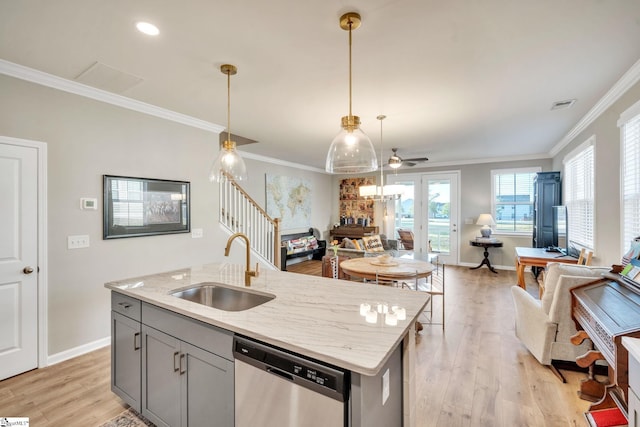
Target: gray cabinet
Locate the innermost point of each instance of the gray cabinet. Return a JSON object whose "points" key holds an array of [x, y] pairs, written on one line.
{"points": [[126, 350], [174, 370], [183, 384]]}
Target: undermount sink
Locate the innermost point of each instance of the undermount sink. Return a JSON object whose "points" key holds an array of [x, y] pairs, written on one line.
{"points": [[222, 297]]}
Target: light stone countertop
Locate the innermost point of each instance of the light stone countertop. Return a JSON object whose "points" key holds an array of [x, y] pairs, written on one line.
{"points": [[314, 316]]}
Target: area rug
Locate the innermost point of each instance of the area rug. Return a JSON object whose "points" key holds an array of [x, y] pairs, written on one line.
{"points": [[128, 418]]}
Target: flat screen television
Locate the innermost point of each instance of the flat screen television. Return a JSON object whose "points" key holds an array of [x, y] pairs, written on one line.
{"points": [[560, 229]]}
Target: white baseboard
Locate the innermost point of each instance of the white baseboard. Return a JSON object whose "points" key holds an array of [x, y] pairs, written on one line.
{"points": [[77, 351]]}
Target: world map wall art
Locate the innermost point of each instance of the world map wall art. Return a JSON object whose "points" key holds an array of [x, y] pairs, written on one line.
{"points": [[289, 198]]}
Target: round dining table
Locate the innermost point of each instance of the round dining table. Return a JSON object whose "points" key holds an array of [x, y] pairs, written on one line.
{"points": [[394, 269]]}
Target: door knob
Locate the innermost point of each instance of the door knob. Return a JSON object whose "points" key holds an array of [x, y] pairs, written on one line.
{"points": [[27, 270]]}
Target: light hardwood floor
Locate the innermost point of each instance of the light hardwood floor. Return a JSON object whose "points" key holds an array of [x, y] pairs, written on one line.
{"points": [[476, 373]]}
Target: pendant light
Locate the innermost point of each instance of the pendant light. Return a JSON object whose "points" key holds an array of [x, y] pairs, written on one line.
{"points": [[380, 193], [228, 164], [351, 151]]}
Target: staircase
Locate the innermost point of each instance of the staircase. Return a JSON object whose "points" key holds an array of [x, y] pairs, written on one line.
{"points": [[239, 213]]}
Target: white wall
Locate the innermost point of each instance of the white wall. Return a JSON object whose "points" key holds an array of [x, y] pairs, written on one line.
{"points": [[87, 139], [608, 244]]}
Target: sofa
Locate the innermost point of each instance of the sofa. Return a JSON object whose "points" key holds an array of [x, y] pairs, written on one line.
{"points": [[357, 248], [545, 326]]}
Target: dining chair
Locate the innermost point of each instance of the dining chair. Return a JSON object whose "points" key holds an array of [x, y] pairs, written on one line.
{"points": [[406, 238], [585, 257], [434, 286]]}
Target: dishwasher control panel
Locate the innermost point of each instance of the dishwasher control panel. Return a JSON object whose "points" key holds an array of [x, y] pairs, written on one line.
{"points": [[308, 373]]}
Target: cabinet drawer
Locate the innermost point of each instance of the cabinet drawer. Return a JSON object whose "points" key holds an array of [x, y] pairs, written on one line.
{"points": [[208, 337], [126, 305]]}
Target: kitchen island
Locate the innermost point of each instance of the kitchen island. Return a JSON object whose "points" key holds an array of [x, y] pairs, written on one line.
{"points": [[316, 317]]}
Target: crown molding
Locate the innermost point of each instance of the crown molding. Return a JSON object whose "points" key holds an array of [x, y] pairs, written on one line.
{"points": [[266, 159], [45, 79], [625, 83]]}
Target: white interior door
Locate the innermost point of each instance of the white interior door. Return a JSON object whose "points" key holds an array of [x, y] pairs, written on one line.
{"points": [[18, 259]]}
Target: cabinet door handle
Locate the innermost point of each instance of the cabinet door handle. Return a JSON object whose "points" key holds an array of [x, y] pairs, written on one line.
{"points": [[136, 341], [183, 364], [124, 305], [176, 364]]}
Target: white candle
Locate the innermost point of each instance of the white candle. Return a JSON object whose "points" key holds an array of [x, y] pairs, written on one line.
{"points": [[372, 316], [401, 313]]}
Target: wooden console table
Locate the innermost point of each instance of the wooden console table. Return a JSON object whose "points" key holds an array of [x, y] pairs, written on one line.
{"points": [[537, 257], [486, 246], [352, 232]]}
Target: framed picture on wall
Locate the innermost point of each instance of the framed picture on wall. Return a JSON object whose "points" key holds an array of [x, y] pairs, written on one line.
{"points": [[134, 207]]}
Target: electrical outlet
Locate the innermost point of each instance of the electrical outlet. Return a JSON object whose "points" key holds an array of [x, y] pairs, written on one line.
{"points": [[77, 242], [196, 233]]}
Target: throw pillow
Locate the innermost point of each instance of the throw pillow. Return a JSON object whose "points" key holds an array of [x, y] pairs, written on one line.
{"points": [[373, 243], [348, 243], [357, 244], [385, 242]]}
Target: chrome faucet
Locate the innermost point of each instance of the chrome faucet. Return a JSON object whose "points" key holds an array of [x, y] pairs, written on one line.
{"points": [[248, 274]]}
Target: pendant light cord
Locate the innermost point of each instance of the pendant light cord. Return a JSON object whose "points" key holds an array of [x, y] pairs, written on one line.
{"points": [[381, 166], [350, 24], [229, 106]]}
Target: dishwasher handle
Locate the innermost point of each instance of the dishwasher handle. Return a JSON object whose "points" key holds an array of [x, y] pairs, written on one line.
{"points": [[279, 373]]}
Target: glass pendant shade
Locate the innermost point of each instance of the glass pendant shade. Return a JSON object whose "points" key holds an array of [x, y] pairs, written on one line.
{"points": [[228, 164], [351, 150]]}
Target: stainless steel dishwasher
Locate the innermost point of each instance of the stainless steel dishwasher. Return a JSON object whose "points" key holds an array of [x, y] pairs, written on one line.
{"points": [[274, 388]]}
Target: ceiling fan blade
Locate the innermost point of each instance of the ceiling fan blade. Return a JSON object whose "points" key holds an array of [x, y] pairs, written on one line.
{"points": [[417, 159], [408, 163]]}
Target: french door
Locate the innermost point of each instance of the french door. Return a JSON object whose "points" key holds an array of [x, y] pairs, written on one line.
{"points": [[429, 207]]}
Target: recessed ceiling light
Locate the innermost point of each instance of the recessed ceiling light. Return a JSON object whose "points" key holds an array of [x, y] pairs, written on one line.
{"points": [[559, 105], [147, 28]]}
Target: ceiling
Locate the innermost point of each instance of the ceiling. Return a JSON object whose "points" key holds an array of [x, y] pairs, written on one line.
{"points": [[459, 80]]}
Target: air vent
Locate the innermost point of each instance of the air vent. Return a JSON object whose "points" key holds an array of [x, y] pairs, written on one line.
{"points": [[108, 78], [561, 105]]}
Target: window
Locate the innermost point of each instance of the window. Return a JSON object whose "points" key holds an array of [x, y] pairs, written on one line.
{"points": [[578, 194], [512, 199], [630, 151]]}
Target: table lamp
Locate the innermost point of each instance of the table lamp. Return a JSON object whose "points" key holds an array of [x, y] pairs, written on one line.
{"points": [[486, 221]]}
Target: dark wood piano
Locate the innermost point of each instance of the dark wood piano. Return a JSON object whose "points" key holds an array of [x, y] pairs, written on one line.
{"points": [[605, 311]]}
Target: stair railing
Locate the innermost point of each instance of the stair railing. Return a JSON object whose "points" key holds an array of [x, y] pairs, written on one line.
{"points": [[239, 213]]}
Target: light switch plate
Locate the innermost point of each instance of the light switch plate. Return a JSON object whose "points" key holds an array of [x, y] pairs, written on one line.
{"points": [[77, 242], [196, 233]]}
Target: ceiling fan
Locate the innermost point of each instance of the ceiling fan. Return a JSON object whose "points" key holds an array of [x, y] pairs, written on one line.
{"points": [[396, 161]]}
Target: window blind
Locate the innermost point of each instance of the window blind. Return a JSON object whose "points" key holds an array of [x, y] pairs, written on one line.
{"points": [[513, 199], [579, 195], [630, 180]]}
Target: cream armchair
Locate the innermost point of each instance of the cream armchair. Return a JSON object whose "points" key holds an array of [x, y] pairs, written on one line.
{"points": [[545, 326]]}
